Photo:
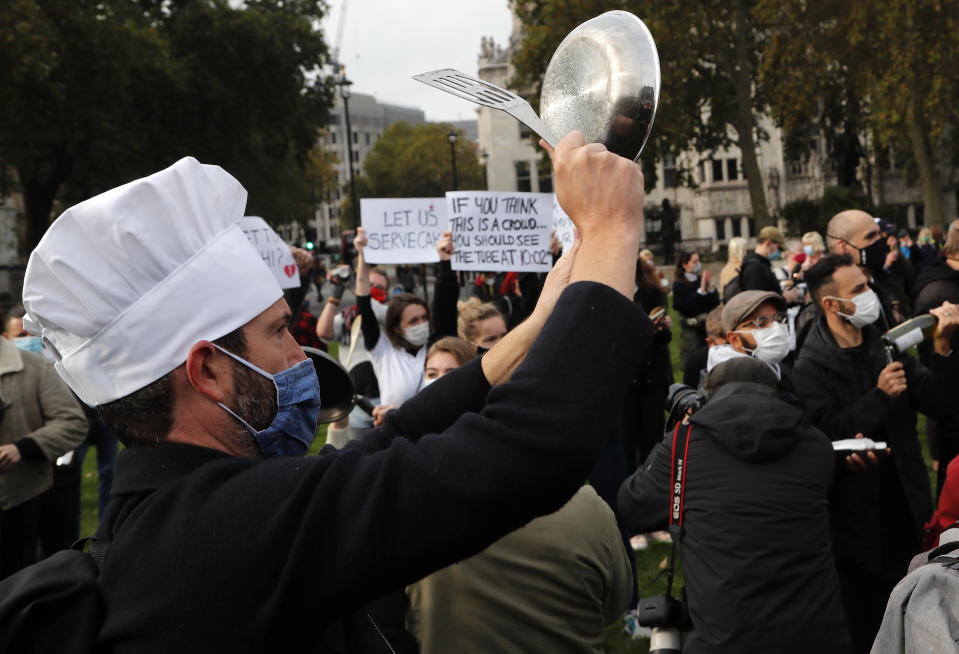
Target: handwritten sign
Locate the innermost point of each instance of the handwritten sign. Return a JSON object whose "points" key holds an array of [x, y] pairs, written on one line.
{"points": [[494, 231], [563, 225], [274, 251], [402, 230]]}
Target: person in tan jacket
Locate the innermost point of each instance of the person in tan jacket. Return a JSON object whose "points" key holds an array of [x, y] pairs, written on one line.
{"points": [[41, 422]]}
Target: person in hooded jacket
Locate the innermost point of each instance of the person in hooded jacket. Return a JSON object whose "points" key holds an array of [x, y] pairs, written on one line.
{"points": [[938, 282], [756, 553], [879, 504]]}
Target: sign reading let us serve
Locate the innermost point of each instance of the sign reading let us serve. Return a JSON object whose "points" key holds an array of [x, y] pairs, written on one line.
{"points": [[402, 230]]}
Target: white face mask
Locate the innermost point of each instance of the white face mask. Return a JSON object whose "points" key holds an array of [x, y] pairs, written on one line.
{"points": [[867, 308], [417, 335], [772, 343], [697, 268]]}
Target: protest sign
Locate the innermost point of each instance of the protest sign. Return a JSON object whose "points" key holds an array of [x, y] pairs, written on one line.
{"points": [[402, 230], [563, 225], [274, 251], [495, 231]]}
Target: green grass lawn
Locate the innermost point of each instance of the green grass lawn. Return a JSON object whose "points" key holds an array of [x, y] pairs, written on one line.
{"points": [[649, 562]]}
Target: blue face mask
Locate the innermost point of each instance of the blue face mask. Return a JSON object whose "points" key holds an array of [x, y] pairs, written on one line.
{"points": [[29, 343], [774, 256], [298, 408]]}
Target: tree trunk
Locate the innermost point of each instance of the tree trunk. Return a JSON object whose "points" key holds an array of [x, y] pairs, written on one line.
{"points": [[925, 161], [38, 197], [745, 124]]}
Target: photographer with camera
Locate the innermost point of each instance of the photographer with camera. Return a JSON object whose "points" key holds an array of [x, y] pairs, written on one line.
{"points": [[747, 479], [842, 375]]}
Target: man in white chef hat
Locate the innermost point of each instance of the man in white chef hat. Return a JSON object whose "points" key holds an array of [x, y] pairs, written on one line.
{"points": [[160, 312]]}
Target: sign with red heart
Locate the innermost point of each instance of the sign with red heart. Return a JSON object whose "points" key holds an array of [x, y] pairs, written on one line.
{"points": [[275, 253]]}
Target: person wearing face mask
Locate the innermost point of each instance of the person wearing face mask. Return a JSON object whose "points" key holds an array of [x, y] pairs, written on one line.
{"points": [[480, 324], [755, 542], [879, 504], [755, 325], [484, 288], [756, 273], [214, 548], [694, 296], [856, 233], [398, 351]]}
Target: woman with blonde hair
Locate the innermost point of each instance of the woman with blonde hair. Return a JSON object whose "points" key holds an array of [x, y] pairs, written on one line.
{"points": [[736, 250], [480, 323], [813, 247]]}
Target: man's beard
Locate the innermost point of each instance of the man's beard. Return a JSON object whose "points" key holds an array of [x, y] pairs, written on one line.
{"points": [[255, 403]]}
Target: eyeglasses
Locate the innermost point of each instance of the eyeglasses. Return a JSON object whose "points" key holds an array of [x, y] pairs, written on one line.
{"points": [[762, 322]]}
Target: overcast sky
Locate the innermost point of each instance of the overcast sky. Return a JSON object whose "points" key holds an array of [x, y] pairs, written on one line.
{"points": [[385, 42]]}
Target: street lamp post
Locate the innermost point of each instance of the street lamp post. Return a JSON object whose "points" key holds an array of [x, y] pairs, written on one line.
{"points": [[451, 136], [344, 85]]}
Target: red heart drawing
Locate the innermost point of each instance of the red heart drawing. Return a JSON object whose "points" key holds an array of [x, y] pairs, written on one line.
{"points": [[289, 270]]}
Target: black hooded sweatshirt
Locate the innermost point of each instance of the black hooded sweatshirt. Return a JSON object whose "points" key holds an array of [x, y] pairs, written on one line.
{"points": [[756, 553]]}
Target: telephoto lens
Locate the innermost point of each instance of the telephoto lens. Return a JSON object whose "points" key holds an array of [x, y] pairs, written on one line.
{"points": [[665, 640]]}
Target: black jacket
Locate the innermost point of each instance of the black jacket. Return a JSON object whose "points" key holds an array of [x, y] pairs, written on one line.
{"points": [[213, 553], [838, 386], [936, 284], [689, 302], [756, 274], [756, 555]]}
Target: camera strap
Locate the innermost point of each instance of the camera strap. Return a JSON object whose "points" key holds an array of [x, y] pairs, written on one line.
{"points": [[678, 482], [676, 496]]}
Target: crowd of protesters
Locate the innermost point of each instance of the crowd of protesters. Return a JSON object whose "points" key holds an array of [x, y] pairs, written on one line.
{"points": [[467, 501]]}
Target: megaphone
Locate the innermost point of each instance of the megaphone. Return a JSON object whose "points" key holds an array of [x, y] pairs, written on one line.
{"points": [[337, 392]]}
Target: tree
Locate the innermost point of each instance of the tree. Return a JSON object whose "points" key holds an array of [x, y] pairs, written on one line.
{"points": [[893, 62], [414, 161], [710, 53], [99, 93]]}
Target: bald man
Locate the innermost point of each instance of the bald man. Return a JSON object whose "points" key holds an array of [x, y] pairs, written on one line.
{"points": [[857, 234]]}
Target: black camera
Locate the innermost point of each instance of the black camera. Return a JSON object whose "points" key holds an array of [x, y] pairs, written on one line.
{"points": [[662, 611], [682, 400]]}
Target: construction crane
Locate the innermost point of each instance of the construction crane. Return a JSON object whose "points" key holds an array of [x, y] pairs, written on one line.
{"points": [[338, 42]]}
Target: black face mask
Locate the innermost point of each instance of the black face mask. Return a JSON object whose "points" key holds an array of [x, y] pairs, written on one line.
{"points": [[873, 256], [480, 350]]}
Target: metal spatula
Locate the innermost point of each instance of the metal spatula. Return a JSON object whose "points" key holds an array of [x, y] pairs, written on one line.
{"points": [[489, 95]]}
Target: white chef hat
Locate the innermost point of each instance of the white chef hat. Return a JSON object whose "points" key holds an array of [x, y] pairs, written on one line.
{"points": [[124, 284]]}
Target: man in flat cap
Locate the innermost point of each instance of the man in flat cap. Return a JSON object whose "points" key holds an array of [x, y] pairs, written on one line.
{"points": [[755, 517], [160, 312], [754, 323]]}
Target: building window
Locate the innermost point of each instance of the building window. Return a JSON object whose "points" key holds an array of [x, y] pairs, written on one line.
{"points": [[356, 137], [732, 170], [367, 138], [669, 171], [356, 156], [720, 229], [524, 131], [522, 176], [737, 226], [751, 225], [702, 172], [717, 170], [332, 137], [545, 178]]}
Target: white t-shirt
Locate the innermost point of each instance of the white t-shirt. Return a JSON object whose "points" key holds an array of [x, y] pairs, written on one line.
{"points": [[398, 372]]}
